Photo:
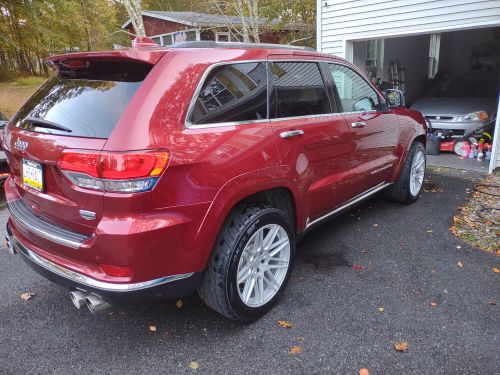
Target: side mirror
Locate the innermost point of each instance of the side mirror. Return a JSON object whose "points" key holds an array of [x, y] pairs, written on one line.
{"points": [[394, 98]]}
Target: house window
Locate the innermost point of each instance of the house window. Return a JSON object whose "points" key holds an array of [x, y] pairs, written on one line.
{"points": [[176, 37], [222, 37]]}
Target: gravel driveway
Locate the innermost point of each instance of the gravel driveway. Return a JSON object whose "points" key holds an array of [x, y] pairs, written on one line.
{"points": [[380, 256]]}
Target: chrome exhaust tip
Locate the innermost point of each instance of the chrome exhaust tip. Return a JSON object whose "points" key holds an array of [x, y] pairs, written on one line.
{"points": [[96, 304], [10, 247], [78, 298]]}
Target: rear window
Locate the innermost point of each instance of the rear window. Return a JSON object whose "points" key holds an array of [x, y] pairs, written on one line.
{"points": [[86, 100]]}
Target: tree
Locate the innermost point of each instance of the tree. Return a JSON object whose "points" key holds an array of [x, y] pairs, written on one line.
{"points": [[134, 11], [31, 30]]}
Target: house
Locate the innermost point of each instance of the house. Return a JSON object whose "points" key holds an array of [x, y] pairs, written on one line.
{"points": [[167, 28], [407, 42]]}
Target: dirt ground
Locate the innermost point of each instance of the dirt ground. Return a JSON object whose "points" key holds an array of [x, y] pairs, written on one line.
{"points": [[13, 95], [479, 220]]}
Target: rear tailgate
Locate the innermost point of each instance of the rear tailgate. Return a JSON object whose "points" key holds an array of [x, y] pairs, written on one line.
{"points": [[77, 108]]}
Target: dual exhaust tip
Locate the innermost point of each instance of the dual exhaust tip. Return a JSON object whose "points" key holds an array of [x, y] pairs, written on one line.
{"points": [[94, 303]]}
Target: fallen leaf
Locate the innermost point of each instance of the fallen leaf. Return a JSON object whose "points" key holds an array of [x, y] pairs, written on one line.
{"points": [[152, 328], [460, 264], [492, 303], [301, 339], [401, 346], [434, 304], [285, 324], [357, 267], [178, 304], [194, 365], [381, 309], [496, 269], [27, 296], [295, 350], [364, 371]]}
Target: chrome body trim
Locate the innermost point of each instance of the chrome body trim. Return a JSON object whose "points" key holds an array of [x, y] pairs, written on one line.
{"points": [[349, 203], [85, 280], [42, 227]]}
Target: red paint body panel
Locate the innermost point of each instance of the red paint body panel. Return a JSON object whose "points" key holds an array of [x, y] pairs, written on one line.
{"points": [[172, 228]]}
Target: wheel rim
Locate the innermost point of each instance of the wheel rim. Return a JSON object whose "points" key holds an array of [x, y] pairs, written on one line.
{"points": [[263, 265], [417, 173]]}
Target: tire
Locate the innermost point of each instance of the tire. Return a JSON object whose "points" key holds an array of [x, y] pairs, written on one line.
{"points": [[403, 191], [232, 257]]}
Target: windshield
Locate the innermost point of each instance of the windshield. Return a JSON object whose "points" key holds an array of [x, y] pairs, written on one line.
{"points": [[87, 103], [465, 87]]}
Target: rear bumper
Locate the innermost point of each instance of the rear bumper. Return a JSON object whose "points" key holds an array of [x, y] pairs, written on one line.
{"points": [[152, 243], [168, 287]]}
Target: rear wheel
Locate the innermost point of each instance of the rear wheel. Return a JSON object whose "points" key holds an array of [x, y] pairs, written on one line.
{"points": [[250, 264], [408, 187]]}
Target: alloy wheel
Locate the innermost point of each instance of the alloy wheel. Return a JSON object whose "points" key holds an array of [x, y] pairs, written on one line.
{"points": [[263, 265], [417, 172]]}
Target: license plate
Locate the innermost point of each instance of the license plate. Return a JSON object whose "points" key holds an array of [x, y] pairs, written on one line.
{"points": [[33, 174]]}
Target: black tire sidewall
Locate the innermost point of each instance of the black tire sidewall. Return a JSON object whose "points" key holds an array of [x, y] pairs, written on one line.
{"points": [[261, 219]]}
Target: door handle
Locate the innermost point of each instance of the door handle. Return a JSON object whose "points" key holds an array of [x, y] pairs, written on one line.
{"points": [[358, 124], [291, 133]]}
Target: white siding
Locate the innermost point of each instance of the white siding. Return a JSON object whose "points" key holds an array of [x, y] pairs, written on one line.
{"points": [[341, 20]]}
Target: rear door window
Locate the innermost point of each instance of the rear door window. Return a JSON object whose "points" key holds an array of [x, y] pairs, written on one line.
{"points": [[232, 93], [298, 90], [88, 102]]}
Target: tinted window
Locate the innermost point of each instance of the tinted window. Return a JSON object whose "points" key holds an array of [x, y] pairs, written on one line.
{"points": [[88, 101], [233, 92], [298, 90], [466, 87], [354, 93]]}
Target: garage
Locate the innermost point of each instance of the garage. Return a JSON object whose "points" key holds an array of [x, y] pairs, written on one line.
{"points": [[443, 55]]}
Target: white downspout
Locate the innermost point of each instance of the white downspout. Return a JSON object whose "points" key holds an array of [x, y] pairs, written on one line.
{"points": [[496, 141]]}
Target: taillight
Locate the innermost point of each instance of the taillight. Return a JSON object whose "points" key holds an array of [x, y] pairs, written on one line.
{"points": [[112, 171]]}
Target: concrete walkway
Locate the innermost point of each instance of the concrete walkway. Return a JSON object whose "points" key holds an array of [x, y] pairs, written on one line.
{"points": [[451, 160]]}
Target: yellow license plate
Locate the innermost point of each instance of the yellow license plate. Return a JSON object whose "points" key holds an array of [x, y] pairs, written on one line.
{"points": [[33, 174]]}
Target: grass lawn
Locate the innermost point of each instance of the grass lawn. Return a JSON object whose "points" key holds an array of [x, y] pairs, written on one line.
{"points": [[14, 94]]}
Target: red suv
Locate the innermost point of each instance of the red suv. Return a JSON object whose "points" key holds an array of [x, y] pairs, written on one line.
{"points": [[155, 172]]}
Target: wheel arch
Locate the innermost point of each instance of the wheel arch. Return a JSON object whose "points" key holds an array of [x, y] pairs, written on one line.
{"points": [[412, 139], [265, 186]]}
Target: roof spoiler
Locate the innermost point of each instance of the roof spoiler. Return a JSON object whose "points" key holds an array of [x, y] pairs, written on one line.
{"points": [[77, 60]]}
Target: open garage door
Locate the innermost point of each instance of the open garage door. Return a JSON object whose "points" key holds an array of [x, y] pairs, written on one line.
{"points": [[452, 77]]}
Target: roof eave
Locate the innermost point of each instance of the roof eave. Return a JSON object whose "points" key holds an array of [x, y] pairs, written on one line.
{"points": [[162, 17]]}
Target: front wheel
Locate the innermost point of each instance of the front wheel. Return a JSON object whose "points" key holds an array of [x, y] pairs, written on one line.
{"points": [[250, 264], [408, 187]]}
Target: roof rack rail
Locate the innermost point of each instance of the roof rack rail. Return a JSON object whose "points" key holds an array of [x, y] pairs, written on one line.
{"points": [[236, 45]]}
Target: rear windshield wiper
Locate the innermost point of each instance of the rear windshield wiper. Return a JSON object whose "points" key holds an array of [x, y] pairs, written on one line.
{"points": [[46, 124]]}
